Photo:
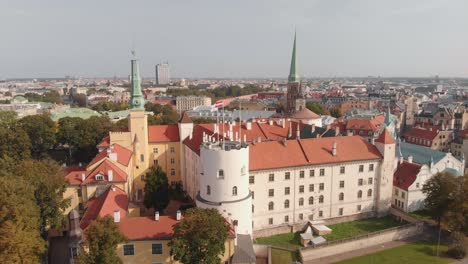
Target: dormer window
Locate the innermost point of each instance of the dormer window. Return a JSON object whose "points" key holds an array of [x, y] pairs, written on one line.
{"points": [[99, 177]]}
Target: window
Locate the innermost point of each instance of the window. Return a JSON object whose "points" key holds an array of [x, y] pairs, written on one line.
{"points": [[301, 188], [286, 203], [99, 177], [253, 208], [358, 208], [396, 192], [322, 186], [78, 192], [311, 187], [371, 167], [251, 179], [359, 194], [155, 150], [342, 170], [417, 185], [301, 216], [322, 172], [156, 248], [361, 168], [286, 218], [253, 196], [341, 196], [271, 206], [172, 172], [341, 184], [321, 199], [312, 173], [142, 157], [271, 192], [208, 190], [301, 201], [270, 221], [220, 174], [172, 160], [234, 191], [320, 213], [370, 181], [301, 174], [286, 190], [128, 250], [360, 182], [287, 175], [172, 149], [369, 193], [311, 200], [402, 194], [340, 211], [271, 177], [155, 162]]}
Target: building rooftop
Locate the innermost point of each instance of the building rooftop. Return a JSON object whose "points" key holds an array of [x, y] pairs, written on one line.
{"points": [[83, 113]]}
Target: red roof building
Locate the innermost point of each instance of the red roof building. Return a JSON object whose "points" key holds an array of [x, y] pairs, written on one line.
{"points": [[163, 133]]}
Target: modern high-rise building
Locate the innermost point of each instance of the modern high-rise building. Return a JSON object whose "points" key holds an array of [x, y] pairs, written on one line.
{"points": [[163, 74]]}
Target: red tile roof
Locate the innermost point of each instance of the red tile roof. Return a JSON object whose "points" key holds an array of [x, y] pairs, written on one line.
{"points": [[305, 114], [405, 175], [103, 169], [274, 154], [74, 176], [163, 133], [385, 137], [112, 199], [123, 155], [104, 143], [365, 124], [140, 228], [421, 133]]}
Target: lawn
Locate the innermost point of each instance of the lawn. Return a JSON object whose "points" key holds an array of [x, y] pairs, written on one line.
{"points": [[415, 253], [279, 256], [288, 240], [360, 227], [421, 214]]}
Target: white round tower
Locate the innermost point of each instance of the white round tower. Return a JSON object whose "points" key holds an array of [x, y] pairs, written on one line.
{"points": [[224, 182]]}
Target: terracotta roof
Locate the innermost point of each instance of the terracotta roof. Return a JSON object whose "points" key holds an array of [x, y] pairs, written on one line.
{"points": [[313, 151], [185, 118], [103, 169], [405, 175], [104, 143], [365, 124], [105, 204], [123, 155], [305, 114], [385, 138], [140, 228], [163, 133], [422, 133], [74, 176]]}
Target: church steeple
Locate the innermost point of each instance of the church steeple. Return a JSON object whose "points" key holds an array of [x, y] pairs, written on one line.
{"points": [[293, 76], [137, 102]]}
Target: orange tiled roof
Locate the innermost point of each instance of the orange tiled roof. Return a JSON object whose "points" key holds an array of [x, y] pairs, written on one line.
{"points": [[112, 199], [139, 228], [385, 137], [123, 155], [103, 168], [163, 133], [366, 124], [313, 151], [74, 176], [305, 114], [405, 175], [422, 133], [104, 143]]}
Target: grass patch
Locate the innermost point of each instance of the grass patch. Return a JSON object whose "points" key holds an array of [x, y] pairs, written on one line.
{"points": [[360, 227], [288, 240], [279, 256], [421, 214], [420, 252]]}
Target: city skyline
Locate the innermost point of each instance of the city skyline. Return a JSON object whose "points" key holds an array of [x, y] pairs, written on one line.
{"points": [[242, 40]]}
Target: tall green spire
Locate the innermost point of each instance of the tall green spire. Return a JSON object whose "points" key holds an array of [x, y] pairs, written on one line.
{"points": [[137, 102], [293, 76]]}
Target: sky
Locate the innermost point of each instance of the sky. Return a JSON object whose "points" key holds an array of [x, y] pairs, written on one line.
{"points": [[234, 38]]}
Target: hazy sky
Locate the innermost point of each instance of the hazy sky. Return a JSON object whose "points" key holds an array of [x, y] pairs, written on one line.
{"points": [[234, 38]]}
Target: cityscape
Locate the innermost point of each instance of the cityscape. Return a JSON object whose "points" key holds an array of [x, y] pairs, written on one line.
{"points": [[202, 159]]}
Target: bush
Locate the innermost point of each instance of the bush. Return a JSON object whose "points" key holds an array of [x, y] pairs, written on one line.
{"points": [[457, 249]]}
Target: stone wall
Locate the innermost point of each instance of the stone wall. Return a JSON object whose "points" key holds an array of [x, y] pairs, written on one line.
{"points": [[359, 242]]}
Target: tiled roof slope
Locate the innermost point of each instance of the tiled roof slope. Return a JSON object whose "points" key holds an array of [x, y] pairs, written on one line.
{"points": [[163, 133], [405, 175], [123, 155]]}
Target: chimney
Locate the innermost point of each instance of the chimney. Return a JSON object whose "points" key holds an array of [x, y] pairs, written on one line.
{"points": [[410, 159], [334, 148], [372, 140], [156, 216], [337, 131], [248, 125], [284, 122], [401, 159], [117, 216], [178, 215], [270, 122], [259, 139], [113, 188], [312, 128], [285, 142], [245, 138], [298, 132], [110, 175], [113, 156], [83, 177]]}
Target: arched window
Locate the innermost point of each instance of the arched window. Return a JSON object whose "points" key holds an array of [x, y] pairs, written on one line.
{"points": [[311, 200], [220, 174], [208, 190], [234, 191], [271, 206], [359, 194], [301, 201], [369, 193], [341, 196], [286, 203], [172, 172], [321, 199]]}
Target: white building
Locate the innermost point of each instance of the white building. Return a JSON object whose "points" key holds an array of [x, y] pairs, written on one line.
{"points": [[163, 75], [186, 103]]}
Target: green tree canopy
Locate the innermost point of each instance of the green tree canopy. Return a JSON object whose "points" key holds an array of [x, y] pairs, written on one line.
{"points": [[336, 112], [199, 237], [102, 237], [41, 132], [317, 108], [7, 119], [156, 189]]}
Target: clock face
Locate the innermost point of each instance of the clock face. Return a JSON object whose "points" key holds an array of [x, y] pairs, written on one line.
{"points": [[136, 102]]}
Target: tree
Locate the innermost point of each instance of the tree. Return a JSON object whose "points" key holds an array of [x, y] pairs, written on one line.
{"points": [[456, 218], [440, 192], [81, 100], [156, 189], [7, 118], [41, 132], [92, 130], [199, 237], [102, 237], [68, 133], [457, 248], [316, 108], [336, 112], [20, 240], [14, 143]]}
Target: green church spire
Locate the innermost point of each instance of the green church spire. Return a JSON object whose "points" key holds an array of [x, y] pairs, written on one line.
{"points": [[293, 76], [137, 102]]}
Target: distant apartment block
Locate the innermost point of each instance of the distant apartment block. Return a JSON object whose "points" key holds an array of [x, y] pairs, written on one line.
{"points": [[185, 103], [163, 74]]}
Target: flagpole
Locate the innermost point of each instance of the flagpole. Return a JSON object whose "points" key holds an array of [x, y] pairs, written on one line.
{"points": [[217, 121], [240, 122], [223, 126]]}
